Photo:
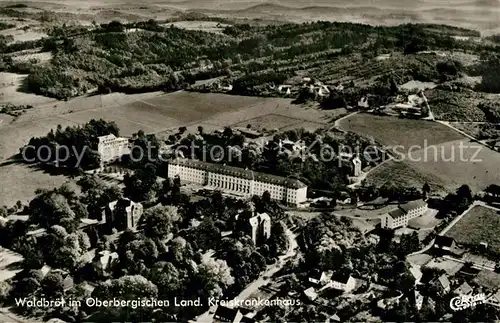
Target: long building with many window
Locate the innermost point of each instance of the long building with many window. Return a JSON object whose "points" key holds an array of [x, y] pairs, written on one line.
{"points": [[238, 180], [399, 217]]}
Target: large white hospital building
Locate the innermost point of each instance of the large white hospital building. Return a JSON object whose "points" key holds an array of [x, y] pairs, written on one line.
{"points": [[112, 148], [238, 180]]}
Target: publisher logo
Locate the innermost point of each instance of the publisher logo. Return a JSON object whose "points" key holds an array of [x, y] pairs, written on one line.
{"points": [[462, 302]]}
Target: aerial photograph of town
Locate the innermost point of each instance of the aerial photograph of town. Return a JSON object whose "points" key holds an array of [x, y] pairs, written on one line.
{"points": [[249, 161]]}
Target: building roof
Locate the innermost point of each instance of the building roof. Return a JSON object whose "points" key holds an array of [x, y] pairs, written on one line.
{"points": [[311, 293], [463, 289], [239, 172], [341, 277], [396, 213], [106, 137], [106, 257], [412, 205], [246, 319], [122, 201], [226, 313], [444, 281], [443, 241]]}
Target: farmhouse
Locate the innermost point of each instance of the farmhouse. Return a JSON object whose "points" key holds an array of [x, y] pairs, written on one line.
{"points": [[442, 283], [400, 216], [112, 148], [444, 243], [463, 289], [238, 180]]}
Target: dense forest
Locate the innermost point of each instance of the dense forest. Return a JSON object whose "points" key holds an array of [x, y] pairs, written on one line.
{"points": [[145, 56]]}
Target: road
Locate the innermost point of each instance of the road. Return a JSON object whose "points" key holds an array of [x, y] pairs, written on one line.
{"points": [[263, 279]]}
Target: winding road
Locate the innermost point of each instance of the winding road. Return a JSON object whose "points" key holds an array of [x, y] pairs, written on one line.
{"points": [[263, 279]]}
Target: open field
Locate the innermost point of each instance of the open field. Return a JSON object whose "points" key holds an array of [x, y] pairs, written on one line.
{"points": [[428, 152], [480, 224], [20, 181], [8, 258], [391, 131], [16, 135], [401, 172], [207, 26], [5, 119], [274, 121], [152, 113], [9, 85], [473, 164]]}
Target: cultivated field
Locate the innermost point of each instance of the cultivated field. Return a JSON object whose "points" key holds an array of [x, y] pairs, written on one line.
{"points": [[151, 112], [273, 121], [480, 224], [401, 172], [391, 131], [207, 26], [473, 164], [433, 153], [9, 91]]}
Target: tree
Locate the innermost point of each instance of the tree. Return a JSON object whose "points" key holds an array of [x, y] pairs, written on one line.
{"points": [[426, 189], [160, 220], [52, 285], [5, 291], [465, 192], [3, 212], [266, 197], [279, 240], [125, 288], [141, 185], [217, 270]]}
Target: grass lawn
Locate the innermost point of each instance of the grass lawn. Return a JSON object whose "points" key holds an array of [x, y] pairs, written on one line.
{"points": [[480, 224], [20, 181]]}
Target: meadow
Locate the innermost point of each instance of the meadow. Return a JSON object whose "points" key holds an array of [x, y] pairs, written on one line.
{"points": [[480, 224]]}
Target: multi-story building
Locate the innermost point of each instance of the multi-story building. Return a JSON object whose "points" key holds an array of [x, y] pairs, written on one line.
{"points": [[260, 227], [238, 180], [112, 148], [400, 216], [122, 214]]}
